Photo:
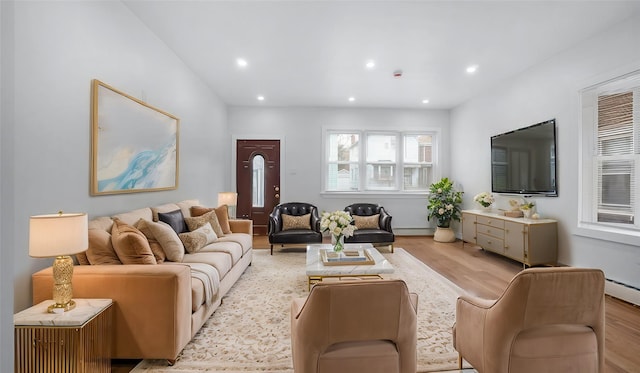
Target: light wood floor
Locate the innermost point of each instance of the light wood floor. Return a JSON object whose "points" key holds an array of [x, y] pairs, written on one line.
{"points": [[486, 275]]}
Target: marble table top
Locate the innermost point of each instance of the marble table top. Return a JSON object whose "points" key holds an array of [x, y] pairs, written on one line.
{"points": [[315, 267], [38, 316]]}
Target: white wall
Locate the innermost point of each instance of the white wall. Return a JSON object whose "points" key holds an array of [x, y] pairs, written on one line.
{"points": [[551, 90], [301, 131], [59, 48]]}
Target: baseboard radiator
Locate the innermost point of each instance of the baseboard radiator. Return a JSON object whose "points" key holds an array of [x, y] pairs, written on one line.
{"points": [[622, 291]]}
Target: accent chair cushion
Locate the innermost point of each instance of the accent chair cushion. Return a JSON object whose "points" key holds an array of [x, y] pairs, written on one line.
{"points": [[175, 219], [367, 222], [100, 249], [195, 240], [130, 244], [296, 222]]}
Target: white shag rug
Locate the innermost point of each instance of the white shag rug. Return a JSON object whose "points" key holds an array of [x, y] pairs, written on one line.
{"points": [[250, 331]]}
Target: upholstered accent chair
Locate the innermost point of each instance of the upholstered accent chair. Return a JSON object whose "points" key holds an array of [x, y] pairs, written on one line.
{"points": [[294, 223], [547, 320], [373, 223], [355, 326]]}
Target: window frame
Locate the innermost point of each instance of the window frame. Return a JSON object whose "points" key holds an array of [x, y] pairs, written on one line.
{"points": [[398, 165], [589, 195]]}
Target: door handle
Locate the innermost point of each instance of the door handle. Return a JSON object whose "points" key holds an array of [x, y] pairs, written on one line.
{"points": [[277, 196]]}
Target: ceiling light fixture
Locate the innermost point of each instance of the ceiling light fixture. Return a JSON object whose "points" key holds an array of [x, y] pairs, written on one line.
{"points": [[351, 99], [260, 98], [241, 62], [472, 69], [370, 64], [425, 101]]}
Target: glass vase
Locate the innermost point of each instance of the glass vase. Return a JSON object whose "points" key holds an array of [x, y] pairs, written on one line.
{"points": [[338, 243]]}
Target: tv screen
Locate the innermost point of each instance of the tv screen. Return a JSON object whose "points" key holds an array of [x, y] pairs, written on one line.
{"points": [[524, 161]]}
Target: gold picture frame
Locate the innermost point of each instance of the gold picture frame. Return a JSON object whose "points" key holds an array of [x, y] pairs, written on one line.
{"points": [[134, 146]]}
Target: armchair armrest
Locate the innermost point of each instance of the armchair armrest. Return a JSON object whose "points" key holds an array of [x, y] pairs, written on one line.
{"points": [[152, 305], [241, 226], [385, 220], [469, 329]]}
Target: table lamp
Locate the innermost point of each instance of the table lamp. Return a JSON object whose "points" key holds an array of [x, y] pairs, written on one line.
{"points": [[231, 200], [59, 235]]}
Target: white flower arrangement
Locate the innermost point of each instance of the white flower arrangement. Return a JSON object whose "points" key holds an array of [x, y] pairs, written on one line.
{"points": [[337, 223], [484, 198]]}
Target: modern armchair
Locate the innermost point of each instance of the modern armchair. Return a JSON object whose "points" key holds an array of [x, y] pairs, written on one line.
{"points": [[547, 320], [358, 326], [373, 223], [294, 223]]}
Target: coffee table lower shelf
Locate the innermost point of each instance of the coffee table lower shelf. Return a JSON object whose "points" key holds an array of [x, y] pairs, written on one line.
{"points": [[315, 279]]}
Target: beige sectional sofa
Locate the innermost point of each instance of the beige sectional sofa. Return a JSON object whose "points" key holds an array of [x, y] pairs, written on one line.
{"points": [[158, 307]]}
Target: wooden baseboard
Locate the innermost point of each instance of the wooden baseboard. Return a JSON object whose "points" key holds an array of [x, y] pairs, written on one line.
{"points": [[621, 291]]}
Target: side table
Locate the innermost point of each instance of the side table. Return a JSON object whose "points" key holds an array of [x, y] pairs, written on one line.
{"points": [[78, 340]]}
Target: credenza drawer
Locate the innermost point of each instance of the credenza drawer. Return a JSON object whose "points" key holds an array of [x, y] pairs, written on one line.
{"points": [[485, 220], [490, 231], [490, 243]]}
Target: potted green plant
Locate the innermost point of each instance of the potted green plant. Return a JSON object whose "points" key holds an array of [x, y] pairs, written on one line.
{"points": [[444, 206]]}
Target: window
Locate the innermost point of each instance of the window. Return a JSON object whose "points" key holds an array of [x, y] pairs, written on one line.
{"points": [[381, 162], [611, 133]]}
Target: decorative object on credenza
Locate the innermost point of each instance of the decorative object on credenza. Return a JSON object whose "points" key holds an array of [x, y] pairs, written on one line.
{"points": [[444, 206], [134, 145], [338, 224], [485, 200], [231, 200], [528, 209], [59, 235]]}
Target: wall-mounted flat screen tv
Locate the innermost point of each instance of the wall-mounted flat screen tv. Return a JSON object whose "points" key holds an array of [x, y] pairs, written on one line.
{"points": [[524, 161]]}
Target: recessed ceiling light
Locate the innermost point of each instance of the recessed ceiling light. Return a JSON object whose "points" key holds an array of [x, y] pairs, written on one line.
{"points": [[370, 64], [425, 101], [241, 62], [260, 98], [351, 99], [472, 69]]}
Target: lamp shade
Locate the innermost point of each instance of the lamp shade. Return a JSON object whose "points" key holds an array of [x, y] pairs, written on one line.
{"points": [[58, 234], [227, 198]]}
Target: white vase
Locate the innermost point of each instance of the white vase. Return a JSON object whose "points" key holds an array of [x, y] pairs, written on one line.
{"points": [[444, 235]]}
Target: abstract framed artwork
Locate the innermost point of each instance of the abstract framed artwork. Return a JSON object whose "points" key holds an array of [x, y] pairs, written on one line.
{"points": [[134, 145]]}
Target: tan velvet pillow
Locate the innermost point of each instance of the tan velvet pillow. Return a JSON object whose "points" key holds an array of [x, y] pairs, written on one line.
{"points": [[199, 238], [222, 213], [156, 248], [194, 223], [168, 239], [82, 258], [367, 222], [100, 249], [296, 222], [130, 244]]}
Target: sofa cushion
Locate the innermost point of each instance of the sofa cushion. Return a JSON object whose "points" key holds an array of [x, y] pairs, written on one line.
{"points": [[367, 222], [156, 248], [130, 244], [100, 249], [104, 223], [132, 217], [222, 213], [245, 240], [222, 262], [168, 239], [195, 240], [175, 219], [234, 249], [210, 217], [296, 222]]}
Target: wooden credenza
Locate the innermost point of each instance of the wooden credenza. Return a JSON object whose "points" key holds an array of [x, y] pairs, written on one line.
{"points": [[529, 241]]}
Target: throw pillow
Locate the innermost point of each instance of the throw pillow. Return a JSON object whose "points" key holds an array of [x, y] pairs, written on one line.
{"points": [[199, 238], [175, 219], [367, 222], [168, 239], [156, 248], [222, 213], [82, 258], [296, 222], [210, 217], [130, 244], [100, 249]]}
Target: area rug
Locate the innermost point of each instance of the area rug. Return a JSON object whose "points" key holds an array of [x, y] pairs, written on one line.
{"points": [[250, 331]]}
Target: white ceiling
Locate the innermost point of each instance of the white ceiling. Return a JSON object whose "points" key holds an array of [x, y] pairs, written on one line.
{"points": [[313, 53]]}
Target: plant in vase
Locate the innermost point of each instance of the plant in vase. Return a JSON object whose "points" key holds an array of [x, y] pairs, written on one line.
{"points": [[527, 209], [444, 206], [485, 199], [338, 224]]}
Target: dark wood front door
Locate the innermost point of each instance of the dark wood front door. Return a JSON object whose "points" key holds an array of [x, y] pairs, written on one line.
{"points": [[257, 181]]}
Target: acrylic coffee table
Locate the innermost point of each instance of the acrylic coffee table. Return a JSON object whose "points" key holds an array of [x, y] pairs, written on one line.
{"points": [[316, 270]]}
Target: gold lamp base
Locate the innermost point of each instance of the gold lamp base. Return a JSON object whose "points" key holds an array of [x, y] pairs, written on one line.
{"points": [[62, 291]]}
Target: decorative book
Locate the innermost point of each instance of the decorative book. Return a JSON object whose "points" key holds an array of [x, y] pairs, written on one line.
{"points": [[347, 257]]}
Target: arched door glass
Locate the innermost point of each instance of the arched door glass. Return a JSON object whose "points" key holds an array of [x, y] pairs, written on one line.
{"points": [[258, 181]]}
